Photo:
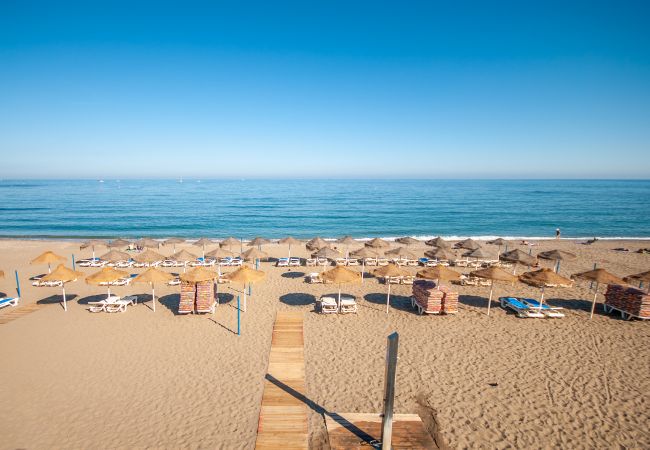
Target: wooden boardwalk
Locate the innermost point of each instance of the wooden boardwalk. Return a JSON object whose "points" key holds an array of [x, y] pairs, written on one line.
{"points": [[283, 414], [16, 312]]}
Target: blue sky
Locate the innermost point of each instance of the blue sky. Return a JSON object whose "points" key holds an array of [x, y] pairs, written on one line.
{"points": [[340, 89]]}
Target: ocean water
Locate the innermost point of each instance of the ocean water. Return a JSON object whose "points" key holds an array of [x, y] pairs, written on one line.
{"points": [[329, 208]]}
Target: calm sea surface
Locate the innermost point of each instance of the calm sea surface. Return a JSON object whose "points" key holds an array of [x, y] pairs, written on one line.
{"points": [[330, 208]]}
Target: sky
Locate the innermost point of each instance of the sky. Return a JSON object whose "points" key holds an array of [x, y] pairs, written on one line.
{"points": [[325, 89]]}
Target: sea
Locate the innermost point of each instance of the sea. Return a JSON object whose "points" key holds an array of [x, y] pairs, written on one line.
{"points": [[245, 208]]}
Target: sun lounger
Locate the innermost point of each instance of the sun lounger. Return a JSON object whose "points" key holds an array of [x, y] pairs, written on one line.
{"points": [[370, 261], [209, 310], [382, 262], [314, 278], [412, 262], [310, 262], [409, 279], [348, 304], [175, 282], [520, 308], [353, 262], [9, 301], [484, 282], [323, 261], [340, 261], [392, 280], [549, 311], [100, 306], [294, 262], [423, 261], [236, 262], [328, 305], [283, 262], [461, 263], [468, 281]]}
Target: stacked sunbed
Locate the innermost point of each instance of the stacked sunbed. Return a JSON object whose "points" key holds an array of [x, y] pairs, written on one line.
{"points": [[429, 299], [186, 304], [631, 302], [204, 296]]}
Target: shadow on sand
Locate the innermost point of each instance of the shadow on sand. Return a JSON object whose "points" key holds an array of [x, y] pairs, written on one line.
{"points": [[298, 299], [399, 302], [293, 274]]}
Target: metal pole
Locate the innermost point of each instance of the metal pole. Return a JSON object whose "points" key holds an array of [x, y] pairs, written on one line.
{"points": [[591, 285], [238, 318], [389, 391], [17, 284], [74, 267]]}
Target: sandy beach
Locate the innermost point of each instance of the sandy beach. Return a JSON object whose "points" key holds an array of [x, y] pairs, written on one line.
{"points": [[143, 379]]}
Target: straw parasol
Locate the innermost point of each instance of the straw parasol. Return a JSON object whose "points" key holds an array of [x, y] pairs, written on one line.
{"points": [[439, 253], [499, 242], [493, 274], [327, 252], [245, 275], [64, 275], [229, 242], [115, 255], [407, 240], [48, 258], [557, 256], [258, 242], [518, 256], [106, 275], [173, 242], [468, 244], [289, 240], [377, 243], [347, 241], [93, 243], [316, 243], [544, 277], [183, 255], [253, 254], [219, 253], [198, 274], [401, 252], [438, 242], [390, 270], [640, 277], [438, 273], [148, 256], [119, 243], [148, 243], [363, 253], [479, 253], [202, 243], [341, 275], [600, 276], [153, 275]]}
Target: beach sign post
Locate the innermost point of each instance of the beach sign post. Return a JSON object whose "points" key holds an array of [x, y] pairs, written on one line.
{"points": [[238, 318], [389, 391]]}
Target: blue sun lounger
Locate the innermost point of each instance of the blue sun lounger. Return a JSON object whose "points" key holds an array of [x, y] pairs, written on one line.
{"points": [[549, 311], [9, 301], [520, 308]]}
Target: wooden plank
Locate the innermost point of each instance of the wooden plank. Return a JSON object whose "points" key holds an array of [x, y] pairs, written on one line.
{"points": [[359, 431], [283, 415]]}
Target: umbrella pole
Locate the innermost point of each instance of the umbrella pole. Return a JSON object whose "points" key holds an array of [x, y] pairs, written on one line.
{"points": [[289, 253], [541, 300], [109, 292], [490, 298], [153, 297], [339, 297], [593, 304], [244, 297], [363, 268], [388, 299], [49, 268], [65, 307]]}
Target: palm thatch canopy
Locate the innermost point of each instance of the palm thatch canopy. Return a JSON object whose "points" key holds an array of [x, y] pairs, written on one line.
{"points": [[183, 255], [153, 275], [518, 256], [199, 274], [438, 273], [245, 275], [229, 242], [148, 243], [479, 253], [115, 255], [289, 240], [341, 274], [643, 276], [377, 243], [391, 270], [63, 274], [498, 241], [219, 253], [203, 242], [173, 241], [48, 258], [254, 253], [494, 274], [327, 252], [439, 253], [365, 252], [468, 244], [93, 243], [544, 277], [600, 276], [437, 242], [119, 243], [407, 240], [258, 241], [346, 240], [148, 256], [557, 255], [106, 275], [401, 252], [316, 243]]}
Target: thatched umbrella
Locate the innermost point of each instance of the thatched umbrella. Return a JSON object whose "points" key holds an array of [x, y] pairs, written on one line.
{"points": [[153, 275], [326, 252], [377, 243], [119, 243], [148, 256], [479, 253], [468, 244], [229, 242], [438, 273], [148, 243], [640, 277], [347, 241], [600, 276], [438, 242], [64, 275], [48, 258], [93, 243], [173, 242], [544, 277], [493, 274], [290, 241], [183, 256], [341, 275], [407, 240], [518, 256], [115, 255], [316, 243], [401, 252], [106, 275], [439, 253], [258, 242], [499, 242], [199, 274], [363, 253], [202, 243], [557, 256], [254, 254], [245, 275], [390, 270], [218, 253]]}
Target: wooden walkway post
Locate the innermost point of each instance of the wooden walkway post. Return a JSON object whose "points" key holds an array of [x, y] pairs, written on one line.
{"points": [[389, 392]]}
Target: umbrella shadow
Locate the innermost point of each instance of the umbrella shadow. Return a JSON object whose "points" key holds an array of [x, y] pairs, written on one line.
{"points": [[171, 302], [298, 299], [293, 275], [91, 298], [476, 301], [399, 302], [37, 277], [55, 299], [223, 298], [211, 319], [3, 294]]}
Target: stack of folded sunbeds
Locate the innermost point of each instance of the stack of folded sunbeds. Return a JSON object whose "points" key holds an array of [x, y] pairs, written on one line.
{"points": [[628, 300], [430, 299], [204, 296], [449, 301], [188, 292]]}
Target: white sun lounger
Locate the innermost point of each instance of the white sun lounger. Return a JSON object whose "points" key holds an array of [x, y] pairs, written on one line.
{"points": [[348, 304], [294, 262], [520, 308], [310, 262], [353, 262], [9, 301], [547, 310], [328, 305], [113, 304], [314, 278], [283, 262]]}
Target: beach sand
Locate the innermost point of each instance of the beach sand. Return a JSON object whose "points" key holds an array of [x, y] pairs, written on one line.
{"points": [[143, 379]]}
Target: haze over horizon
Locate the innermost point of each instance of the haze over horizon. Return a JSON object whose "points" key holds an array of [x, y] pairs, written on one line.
{"points": [[370, 90]]}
